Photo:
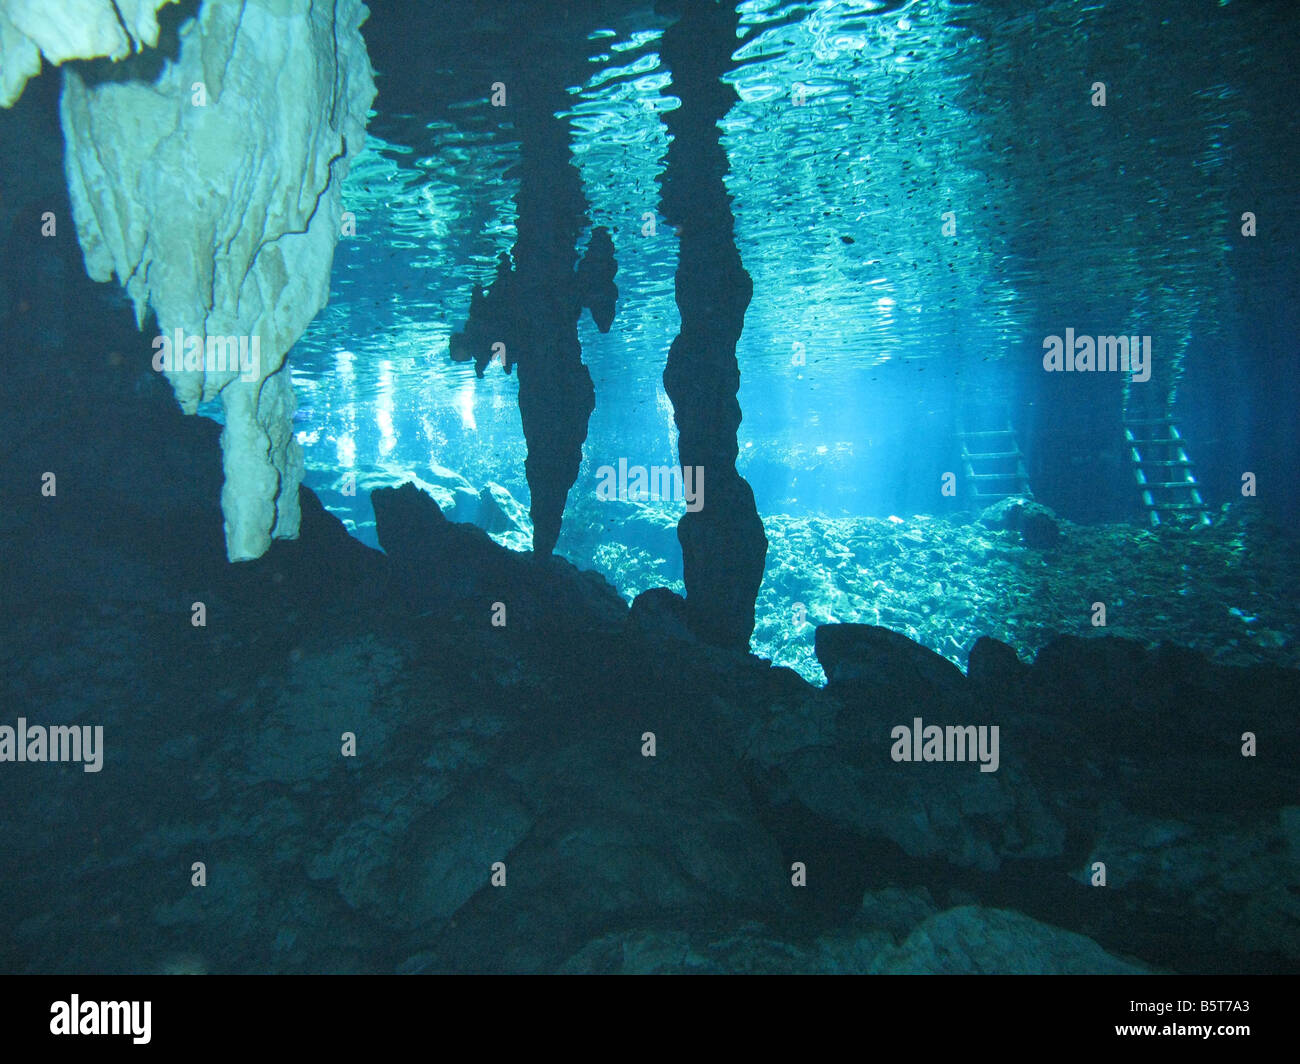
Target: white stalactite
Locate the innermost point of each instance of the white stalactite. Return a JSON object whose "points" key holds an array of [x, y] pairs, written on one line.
{"points": [[69, 29], [213, 193]]}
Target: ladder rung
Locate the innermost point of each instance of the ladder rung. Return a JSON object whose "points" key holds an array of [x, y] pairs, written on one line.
{"points": [[1148, 421], [1173, 462], [990, 455], [994, 432]]}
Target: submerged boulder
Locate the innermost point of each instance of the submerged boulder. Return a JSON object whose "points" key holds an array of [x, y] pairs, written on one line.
{"points": [[851, 653], [972, 940], [456, 497], [1037, 525], [660, 612], [994, 663], [499, 511]]}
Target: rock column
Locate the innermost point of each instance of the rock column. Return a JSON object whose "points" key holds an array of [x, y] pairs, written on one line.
{"points": [[724, 547]]}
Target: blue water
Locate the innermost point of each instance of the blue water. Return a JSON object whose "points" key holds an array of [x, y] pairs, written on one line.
{"points": [[924, 191], [1115, 218]]}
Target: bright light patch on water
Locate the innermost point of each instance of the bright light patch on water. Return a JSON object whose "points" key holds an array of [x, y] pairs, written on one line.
{"points": [[465, 407]]}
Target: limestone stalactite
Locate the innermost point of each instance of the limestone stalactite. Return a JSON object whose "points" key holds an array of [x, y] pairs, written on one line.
{"points": [[724, 547], [534, 308], [556, 396], [59, 31], [211, 189]]}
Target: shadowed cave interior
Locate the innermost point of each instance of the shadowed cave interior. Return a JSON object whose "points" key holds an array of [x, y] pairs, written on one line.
{"points": [[620, 514]]}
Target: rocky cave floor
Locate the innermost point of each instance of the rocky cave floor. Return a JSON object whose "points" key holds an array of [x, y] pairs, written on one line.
{"points": [[1227, 589], [523, 744]]}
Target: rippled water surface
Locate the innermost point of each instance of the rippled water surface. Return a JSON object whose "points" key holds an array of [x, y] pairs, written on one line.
{"points": [[922, 191]]}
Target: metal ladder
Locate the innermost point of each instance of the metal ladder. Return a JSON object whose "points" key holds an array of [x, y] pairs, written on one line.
{"points": [[1163, 471], [995, 468]]}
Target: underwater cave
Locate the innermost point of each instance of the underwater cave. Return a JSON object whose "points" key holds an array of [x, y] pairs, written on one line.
{"points": [[618, 486]]}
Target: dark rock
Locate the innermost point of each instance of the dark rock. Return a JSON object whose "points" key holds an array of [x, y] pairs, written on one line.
{"points": [[596, 288], [1003, 514], [499, 511], [865, 653], [1036, 524], [1105, 672], [660, 612], [556, 396], [724, 547], [1183, 716], [993, 664], [456, 497], [1039, 530], [969, 817], [412, 865], [971, 940], [433, 560]]}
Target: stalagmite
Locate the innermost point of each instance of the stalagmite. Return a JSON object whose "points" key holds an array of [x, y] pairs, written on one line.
{"points": [[210, 185], [724, 546]]}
